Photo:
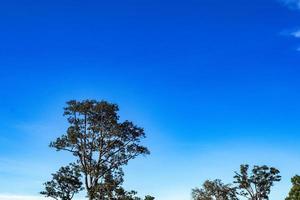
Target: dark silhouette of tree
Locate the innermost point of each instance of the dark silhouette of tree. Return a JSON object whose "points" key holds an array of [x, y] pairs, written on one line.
{"points": [[257, 184], [122, 194], [214, 190], [101, 144], [110, 188], [254, 185], [294, 193], [117, 192], [64, 184], [148, 197]]}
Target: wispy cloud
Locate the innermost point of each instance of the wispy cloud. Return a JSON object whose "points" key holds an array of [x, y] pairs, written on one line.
{"points": [[296, 34], [295, 4]]}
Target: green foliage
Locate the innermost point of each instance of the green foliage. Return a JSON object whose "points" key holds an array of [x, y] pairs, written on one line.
{"points": [[254, 185], [148, 197], [64, 184], [121, 194], [101, 144], [214, 190], [257, 184], [294, 193]]}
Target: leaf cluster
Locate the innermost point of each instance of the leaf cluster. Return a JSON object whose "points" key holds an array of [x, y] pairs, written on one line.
{"points": [[64, 184], [294, 193], [256, 185]]}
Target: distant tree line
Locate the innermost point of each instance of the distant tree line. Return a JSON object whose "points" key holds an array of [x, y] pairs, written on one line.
{"points": [[102, 145]]}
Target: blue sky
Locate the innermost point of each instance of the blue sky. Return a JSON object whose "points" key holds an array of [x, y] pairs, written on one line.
{"points": [[214, 83]]}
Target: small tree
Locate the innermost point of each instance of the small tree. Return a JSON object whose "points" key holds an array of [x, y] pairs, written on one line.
{"points": [[294, 193], [64, 184], [214, 190], [257, 184], [100, 142]]}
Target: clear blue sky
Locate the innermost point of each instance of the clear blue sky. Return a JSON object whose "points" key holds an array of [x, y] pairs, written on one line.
{"points": [[214, 83]]}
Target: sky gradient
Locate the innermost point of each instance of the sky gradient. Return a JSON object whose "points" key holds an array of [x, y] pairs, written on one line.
{"points": [[214, 83]]}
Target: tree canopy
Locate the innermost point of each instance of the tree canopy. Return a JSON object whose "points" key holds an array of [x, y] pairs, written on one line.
{"points": [[214, 190], [64, 184], [256, 185], [101, 144], [294, 193]]}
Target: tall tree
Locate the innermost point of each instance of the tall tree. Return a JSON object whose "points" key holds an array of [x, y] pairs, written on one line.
{"points": [[257, 184], [294, 193], [101, 143], [214, 190], [64, 184]]}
